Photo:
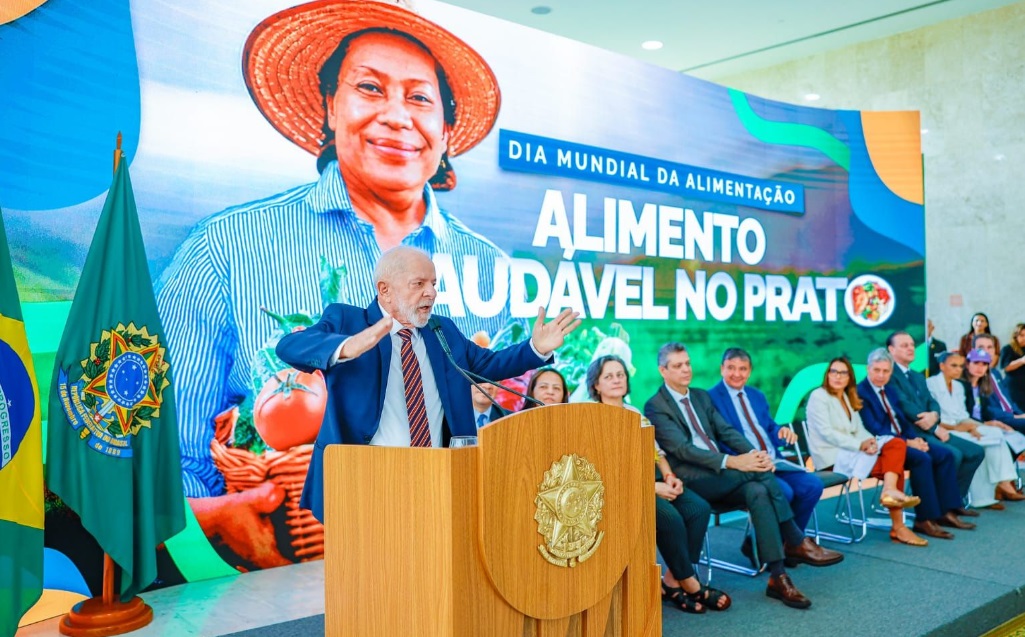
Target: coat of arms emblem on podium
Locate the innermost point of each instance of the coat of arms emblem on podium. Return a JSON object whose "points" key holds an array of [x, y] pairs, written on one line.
{"points": [[569, 506]]}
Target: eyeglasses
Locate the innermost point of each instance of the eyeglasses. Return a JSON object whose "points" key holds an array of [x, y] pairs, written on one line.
{"points": [[839, 372]]}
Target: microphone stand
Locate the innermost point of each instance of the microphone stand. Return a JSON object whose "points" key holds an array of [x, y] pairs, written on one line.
{"points": [[435, 327]]}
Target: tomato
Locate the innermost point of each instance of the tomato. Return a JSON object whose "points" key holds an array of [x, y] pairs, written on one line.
{"points": [[290, 407], [509, 401]]}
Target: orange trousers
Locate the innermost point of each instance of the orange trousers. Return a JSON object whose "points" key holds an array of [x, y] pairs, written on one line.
{"points": [[891, 459]]}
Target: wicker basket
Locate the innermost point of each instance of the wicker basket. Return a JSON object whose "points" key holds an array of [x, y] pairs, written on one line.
{"points": [[243, 469]]}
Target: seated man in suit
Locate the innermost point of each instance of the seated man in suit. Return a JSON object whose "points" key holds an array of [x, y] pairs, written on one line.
{"points": [[693, 436], [389, 380], [933, 474], [747, 411], [485, 410], [922, 410]]}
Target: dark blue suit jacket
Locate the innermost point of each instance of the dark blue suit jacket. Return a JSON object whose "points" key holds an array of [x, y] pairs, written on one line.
{"points": [[1000, 379], [356, 387], [873, 414], [913, 394], [756, 402]]}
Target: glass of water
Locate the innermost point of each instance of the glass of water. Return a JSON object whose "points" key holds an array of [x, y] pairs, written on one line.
{"points": [[462, 441]]}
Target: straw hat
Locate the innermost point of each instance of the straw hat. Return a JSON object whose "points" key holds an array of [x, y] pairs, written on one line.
{"points": [[285, 52]]}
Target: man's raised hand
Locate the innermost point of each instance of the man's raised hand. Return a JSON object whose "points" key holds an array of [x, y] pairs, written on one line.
{"points": [[547, 337], [357, 344]]}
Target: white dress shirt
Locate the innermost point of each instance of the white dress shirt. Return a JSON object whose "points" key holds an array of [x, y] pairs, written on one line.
{"points": [[394, 428]]}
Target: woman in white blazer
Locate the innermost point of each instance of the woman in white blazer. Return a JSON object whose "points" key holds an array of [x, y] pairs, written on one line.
{"points": [[836, 435]]}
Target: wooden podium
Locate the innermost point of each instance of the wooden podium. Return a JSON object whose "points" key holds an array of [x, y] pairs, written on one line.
{"points": [[476, 541]]}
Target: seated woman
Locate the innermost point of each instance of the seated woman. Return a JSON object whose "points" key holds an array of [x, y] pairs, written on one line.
{"points": [[982, 401], [992, 480], [978, 325], [836, 436], [1012, 363], [547, 385], [681, 516]]}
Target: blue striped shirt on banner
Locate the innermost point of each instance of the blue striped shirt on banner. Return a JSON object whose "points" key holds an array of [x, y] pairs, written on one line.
{"points": [[267, 254]]}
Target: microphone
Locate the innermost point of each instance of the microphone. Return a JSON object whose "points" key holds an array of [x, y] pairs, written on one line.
{"points": [[435, 327]]}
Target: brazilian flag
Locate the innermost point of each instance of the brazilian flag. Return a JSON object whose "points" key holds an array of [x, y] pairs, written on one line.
{"points": [[112, 435], [21, 459]]}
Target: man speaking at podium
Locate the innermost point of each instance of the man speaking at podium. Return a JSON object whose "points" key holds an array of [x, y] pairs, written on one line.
{"points": [[392, 382]]}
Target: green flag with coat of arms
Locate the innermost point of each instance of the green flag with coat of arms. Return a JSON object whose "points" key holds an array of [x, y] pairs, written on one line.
{"points": [[112, 437]]}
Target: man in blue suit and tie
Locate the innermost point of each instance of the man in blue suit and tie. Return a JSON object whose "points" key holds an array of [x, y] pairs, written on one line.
{"points": [[747, 411], [389, 380], [933, 472], [485, 409], [922, 410]]}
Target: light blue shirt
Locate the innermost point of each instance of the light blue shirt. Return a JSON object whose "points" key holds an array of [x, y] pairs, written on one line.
{"points": [[268, 253]]}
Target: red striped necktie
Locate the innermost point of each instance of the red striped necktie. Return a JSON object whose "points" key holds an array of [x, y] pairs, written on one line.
{"points": [[416, 407], [751, 421], [1006, 406]]}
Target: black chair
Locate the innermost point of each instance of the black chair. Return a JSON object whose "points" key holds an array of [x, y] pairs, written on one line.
{"points": [[718, 510], [844, 513]]}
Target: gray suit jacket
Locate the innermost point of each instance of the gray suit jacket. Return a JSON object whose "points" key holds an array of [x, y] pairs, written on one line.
{"points": [[688, 460]]}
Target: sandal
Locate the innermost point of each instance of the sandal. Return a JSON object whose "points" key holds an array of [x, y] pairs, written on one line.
{"points": [[710, 598], [687, 602], [900, 501]]}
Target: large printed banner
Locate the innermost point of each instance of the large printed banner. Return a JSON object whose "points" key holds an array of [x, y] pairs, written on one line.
{"points": [[659, 206]]}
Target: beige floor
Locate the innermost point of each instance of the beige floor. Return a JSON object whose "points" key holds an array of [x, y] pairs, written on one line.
{"points": [[217, 607]]}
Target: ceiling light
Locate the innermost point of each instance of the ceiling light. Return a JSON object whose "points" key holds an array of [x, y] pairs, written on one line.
{"points": [[812, 97], [999, 157], [925, 130], [651, 45], [541, 10]]}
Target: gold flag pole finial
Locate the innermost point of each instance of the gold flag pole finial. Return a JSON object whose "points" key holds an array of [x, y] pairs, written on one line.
{"points": [[117, 151]]}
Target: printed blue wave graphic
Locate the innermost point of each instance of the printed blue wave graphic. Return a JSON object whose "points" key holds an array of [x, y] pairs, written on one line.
{"points": [[69, 81], [873, 202]]}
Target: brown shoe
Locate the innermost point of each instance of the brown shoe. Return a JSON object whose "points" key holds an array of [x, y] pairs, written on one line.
{"points": [[966, 513], [1009, 496], [808, 552], [996, 506], [781, 588], [930, 528], [950, 519]]}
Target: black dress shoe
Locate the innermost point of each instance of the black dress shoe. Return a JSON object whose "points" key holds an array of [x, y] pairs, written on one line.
{"points": [[966, 513], [930, 528], [951, 520], [780, 587]]}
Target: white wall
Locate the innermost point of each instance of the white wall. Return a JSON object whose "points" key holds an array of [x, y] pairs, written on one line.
{"points": [[967, 77]]}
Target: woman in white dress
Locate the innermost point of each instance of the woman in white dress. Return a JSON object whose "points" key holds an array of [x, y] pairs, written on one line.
{"points": [[997, 471], [836, 436]]}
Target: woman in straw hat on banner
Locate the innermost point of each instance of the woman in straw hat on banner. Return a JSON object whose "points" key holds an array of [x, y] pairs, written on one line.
{"points": [[383, 98]]}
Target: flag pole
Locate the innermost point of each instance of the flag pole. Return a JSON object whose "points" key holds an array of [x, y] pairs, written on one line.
{"points": [[108, 561], [107, 614]]}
